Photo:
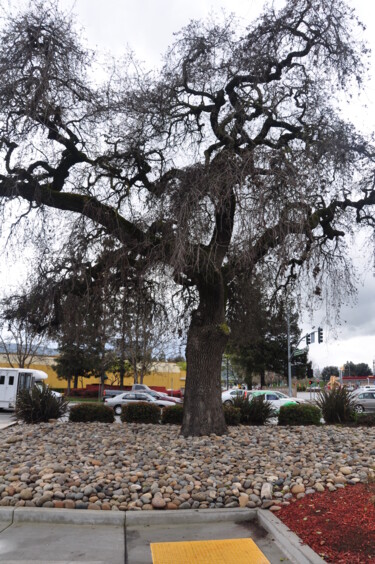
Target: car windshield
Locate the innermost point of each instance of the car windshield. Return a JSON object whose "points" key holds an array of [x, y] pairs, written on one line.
{"points": [[147, 396], [281, 395]]}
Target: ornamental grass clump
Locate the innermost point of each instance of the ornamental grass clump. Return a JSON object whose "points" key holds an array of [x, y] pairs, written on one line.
{"points": [[88, 412], [254, 412], [172, 415], [39, 405], [299, 414], [140, 412], [337, 406]]}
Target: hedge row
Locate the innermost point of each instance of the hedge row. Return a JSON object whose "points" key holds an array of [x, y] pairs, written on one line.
{"points": [[141, 412], [292, 414], [299, 414], [256, 412], [88, 412]]}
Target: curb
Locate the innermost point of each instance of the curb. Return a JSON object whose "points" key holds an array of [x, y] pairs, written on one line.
{"points": [[288, 542], [64, 516], [6, 513], [122, 518], [6, 425], [188, 516]]}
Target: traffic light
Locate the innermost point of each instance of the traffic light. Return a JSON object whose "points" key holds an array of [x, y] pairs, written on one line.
{"points": [[308, 338], [320, 335], [310, 382]]}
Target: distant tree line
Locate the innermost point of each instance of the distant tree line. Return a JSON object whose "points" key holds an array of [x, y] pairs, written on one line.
{"points": [[350, 369]]}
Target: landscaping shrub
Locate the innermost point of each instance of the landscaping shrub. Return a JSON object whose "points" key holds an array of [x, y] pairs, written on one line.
{"points": [[365, 419], [232, 415], [337, 405], [38, 405], [141, 412], [87, 412], [254, 412], [299, 414], [172, 415]]}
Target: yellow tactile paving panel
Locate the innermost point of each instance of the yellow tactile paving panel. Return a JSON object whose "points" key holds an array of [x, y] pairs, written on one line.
{"points": [[238, 551]]}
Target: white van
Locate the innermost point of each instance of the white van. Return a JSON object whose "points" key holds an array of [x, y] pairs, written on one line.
{"points": [[13, 380]]}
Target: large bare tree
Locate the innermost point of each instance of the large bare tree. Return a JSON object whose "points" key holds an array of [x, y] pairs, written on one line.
{"points": [[232, 159]]}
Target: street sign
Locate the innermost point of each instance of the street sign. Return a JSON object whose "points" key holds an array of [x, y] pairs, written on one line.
{"points": [[299, 352]]}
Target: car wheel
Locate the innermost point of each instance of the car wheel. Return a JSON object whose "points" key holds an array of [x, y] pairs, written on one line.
{"points": [[118, 409], [227, 402], [359, 409]]}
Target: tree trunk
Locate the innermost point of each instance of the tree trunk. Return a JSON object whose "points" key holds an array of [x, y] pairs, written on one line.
{"points": [[69, 380], [122, 371], [262, 378], [249, 379], [207, 337], [135, 372], [75, 381]]}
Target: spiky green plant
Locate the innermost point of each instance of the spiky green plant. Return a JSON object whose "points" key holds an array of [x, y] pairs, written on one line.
{"points": [[337, 405], [39, 405]]}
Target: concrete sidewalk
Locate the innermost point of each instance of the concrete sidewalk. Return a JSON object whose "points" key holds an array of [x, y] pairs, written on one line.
{"points": [[64, 536]]}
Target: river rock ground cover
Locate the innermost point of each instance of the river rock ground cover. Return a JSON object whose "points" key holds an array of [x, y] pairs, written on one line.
{"points": [[134, 466]]}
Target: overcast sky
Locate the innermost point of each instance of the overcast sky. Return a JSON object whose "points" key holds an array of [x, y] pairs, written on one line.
{"points": [[147, 27]]}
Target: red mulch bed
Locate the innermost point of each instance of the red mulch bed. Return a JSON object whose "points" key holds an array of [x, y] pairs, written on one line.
{"points": [[339, 526]]}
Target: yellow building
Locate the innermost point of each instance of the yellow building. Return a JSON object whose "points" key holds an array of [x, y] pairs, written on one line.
{"points": [[164, 374]]}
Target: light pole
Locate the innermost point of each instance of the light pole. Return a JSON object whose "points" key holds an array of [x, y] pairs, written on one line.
{"points": [[289, 357]]}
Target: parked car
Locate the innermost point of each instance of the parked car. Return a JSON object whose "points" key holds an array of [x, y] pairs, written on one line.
{"points": [[133, 397], [158, 395], [163, 396], [140, 388], [228, 397], [107, 393], [364, 389], [277, 399], [365, 401]]}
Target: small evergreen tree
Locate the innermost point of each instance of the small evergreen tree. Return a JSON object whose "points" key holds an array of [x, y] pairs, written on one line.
{"points": [[258, 340]]}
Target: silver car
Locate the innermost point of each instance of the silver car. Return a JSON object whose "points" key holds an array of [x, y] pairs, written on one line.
{"points": [[364, 401], [229, 396], [133, 397]]}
